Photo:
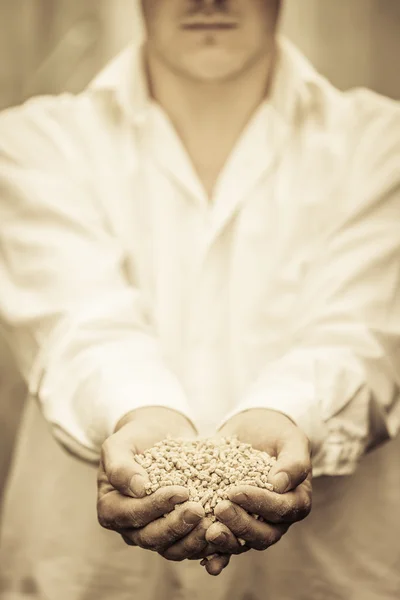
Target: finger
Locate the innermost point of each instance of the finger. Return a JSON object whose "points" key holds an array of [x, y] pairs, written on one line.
{"points": [[217, 564], [120, 466], [223, 539], [194, 544], [208, 551], [272, 507], [116, 511], [211, 550], [293, 464], [128, 541], [258, 534], [162, 533]]}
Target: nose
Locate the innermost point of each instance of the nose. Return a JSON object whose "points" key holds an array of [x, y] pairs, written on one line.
{"points": [[208, 6]]}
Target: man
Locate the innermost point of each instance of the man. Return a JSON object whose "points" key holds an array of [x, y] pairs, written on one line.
{"points": [[207, 245]]}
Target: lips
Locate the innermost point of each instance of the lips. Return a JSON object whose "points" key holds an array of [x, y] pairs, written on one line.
{"points": [[207, 25]]}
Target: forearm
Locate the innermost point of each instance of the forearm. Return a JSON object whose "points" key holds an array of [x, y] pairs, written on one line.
{"points": [[344, 403], [84, 394]]}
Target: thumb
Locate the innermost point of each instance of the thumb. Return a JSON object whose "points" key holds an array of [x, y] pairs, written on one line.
{"points": [[121, 468], [293, 464]]}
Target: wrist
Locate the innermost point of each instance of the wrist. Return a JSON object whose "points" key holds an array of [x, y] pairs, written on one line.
{"points": [[263, 428], [167, 419], [253, 415]]}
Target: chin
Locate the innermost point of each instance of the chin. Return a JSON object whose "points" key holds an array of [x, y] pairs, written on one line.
{"points": [[213, 68]]}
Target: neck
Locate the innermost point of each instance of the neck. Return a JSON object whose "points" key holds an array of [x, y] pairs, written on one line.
{"points": [[202, 106]]}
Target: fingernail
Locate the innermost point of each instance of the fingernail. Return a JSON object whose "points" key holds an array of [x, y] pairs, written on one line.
{"points": [[221, 538], [227, 512], [281, 483], [178, 498], [137, 484], [190, 517], [238, 498]]}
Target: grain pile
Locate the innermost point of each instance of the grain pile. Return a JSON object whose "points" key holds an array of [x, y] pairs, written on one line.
{"points": [[207, 467]]}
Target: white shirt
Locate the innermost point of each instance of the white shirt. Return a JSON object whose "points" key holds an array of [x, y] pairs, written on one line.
{"points": [[123, 286]]}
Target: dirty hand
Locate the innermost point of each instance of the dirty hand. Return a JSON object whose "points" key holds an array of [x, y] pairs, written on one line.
{"points": [[276, 434], [123, 505]]}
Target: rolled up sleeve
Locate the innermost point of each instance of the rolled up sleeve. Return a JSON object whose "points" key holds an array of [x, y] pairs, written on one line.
{"points": [[80, 332], [340, 380]]}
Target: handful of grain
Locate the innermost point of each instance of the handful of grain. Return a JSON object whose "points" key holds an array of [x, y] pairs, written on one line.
{"points": [[207, 467]]}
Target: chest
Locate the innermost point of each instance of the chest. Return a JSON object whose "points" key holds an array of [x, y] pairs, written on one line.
{"points": [[255, 241], [229, 273], [272, 208], [209, 157]]}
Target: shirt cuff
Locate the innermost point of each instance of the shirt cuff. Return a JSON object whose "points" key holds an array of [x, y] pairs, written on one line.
{"points": [[152, 387], [337, 443], [292, 397], [87, 409]]}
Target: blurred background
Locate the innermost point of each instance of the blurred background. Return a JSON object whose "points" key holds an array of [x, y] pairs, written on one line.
{"points": [[49, 46]]}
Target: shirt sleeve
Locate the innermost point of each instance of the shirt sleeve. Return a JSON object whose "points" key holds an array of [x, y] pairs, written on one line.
{"points": [[340, 380], [80, 332]]}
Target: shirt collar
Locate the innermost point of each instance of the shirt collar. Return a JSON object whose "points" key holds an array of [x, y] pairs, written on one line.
{"points": [[293, 80], [125, 76]]}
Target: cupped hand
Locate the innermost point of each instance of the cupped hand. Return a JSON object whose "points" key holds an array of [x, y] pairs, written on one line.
{"points": [[276, 434], [197, 547], [123, 506]]}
